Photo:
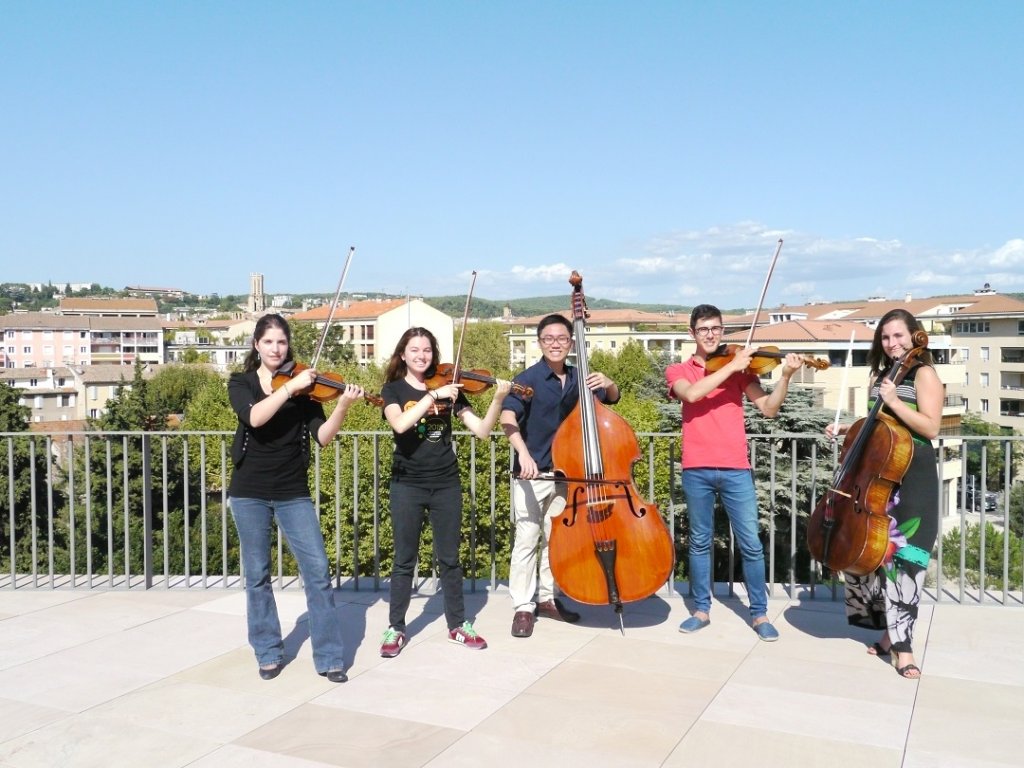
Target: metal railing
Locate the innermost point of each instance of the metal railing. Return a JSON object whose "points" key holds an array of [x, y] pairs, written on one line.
{"points": [[138, 510]]}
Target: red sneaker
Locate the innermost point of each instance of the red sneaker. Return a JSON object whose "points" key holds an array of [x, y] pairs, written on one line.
{"points": [[466, 636], [392, 643]]}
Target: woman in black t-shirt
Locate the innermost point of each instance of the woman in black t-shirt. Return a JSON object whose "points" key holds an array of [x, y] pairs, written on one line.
{"points": [[425, 476], [271, 455]]}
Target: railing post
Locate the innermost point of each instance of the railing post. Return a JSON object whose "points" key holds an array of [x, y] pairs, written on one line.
{"points": [[147, 514]]}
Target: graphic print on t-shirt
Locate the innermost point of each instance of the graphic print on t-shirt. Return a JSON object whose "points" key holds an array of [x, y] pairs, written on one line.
{"points": [[430, 427]]}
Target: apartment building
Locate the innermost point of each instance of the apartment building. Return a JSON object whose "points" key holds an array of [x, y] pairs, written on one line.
{"points": [[374, 326], [65, 396]]}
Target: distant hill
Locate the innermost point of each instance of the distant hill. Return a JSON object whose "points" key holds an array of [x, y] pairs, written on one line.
{"points": [[537, 305]]}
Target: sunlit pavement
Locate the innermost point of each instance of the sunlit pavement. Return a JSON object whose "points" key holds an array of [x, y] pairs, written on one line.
{"points": [[165, 678]]}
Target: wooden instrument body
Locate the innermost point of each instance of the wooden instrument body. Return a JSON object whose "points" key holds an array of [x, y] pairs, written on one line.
{"points": [[856, 508], [602, 515]]}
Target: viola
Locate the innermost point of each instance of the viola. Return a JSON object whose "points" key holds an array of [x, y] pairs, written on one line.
{"points": [[473, 381], [326, 386], [608, 545], [849, 528], [765, 359]]}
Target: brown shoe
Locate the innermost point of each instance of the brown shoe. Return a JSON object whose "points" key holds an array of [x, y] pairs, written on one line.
{"points": [[522, 624], [553, 609]]}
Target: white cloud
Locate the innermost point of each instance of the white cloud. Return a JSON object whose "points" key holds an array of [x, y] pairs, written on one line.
{"points": [[726, 265]]}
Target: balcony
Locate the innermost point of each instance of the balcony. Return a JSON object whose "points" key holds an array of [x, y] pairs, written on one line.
{"points": [[164, 678], [117, 666]]}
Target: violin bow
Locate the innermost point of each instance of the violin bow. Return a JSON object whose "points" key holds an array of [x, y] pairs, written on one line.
{"points": [[842, 384], [764, 290], [462, 334], [334, 307]]}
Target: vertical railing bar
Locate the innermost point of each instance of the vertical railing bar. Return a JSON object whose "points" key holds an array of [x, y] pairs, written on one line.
{"points": [[147, 512], [33, 505], [376, 513], [185, 520], [773, 458], [165, 511], [1007, 458], [979, 499], [204, 552], [793, 459], [48, 444], [224, 511], [10, 513], [472, 513], [87, 463], [337, 513], [72, 565], [356, 503], [110, 511]]}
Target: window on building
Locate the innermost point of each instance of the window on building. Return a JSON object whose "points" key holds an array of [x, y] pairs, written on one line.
{"points": [[984, 380], [1020, 327], [984, 405], [47, 334], [10, 334], [26, 350], [37, 402], [26, 334], [984, 354], [11, 350]]}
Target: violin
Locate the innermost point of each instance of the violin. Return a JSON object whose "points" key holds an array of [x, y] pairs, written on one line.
{"points": [[326, 386], [473, 381], [765, 359]]}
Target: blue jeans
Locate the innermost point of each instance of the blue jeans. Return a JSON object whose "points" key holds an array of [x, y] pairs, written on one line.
{"points": [[300, 524], [736, 488], [444, 507]]}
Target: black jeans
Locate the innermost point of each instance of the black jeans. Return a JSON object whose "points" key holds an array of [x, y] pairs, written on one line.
{"points": [[444, 507]]}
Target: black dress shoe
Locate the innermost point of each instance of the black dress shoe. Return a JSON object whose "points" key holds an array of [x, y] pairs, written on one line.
{"points": [[553, 609], [335, 675], [269, 673]]}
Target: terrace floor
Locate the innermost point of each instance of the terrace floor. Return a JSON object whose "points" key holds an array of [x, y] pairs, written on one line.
{"points": [[164, 678]]}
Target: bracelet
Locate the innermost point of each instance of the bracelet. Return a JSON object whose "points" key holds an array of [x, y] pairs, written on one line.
{"points": [[287, 391], [433, 395]]}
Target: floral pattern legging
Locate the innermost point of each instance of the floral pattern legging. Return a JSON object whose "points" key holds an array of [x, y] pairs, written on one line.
{"points": [[888, 598]]}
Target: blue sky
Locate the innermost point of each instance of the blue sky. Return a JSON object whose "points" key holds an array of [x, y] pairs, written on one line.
{"points": [[660, 148]]}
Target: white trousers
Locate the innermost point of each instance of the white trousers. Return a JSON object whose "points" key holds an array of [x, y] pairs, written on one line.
{"points": [[534, 503]]}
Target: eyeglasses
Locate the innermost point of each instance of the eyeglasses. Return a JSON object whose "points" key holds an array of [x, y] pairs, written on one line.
{"points": [[549, 340], [708, 330]]}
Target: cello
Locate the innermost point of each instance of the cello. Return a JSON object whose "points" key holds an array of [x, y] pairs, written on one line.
{"points": [[608, 545], [849, 528]]}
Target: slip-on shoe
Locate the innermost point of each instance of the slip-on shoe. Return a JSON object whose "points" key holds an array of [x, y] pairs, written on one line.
{"points": [[693, 624], [766, 632]]}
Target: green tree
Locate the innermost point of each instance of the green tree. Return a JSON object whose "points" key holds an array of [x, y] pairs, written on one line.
{"points": [[23, 461], [486, 346], [972, 554], [336, 351], [173, 387]]}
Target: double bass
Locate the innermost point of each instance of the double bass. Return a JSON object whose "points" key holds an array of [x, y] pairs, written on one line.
{"points": [[608, 545], [849, 528]]}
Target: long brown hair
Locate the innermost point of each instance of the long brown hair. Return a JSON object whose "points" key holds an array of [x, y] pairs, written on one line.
{"points": [[877, 358], [396, 368], [252, 360]]}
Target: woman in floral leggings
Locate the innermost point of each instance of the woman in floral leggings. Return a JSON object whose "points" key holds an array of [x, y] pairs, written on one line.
{"points": [[888, 598]]}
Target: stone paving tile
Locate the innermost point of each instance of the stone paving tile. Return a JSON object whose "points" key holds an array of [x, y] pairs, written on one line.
{"points": [[165, 678]]}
